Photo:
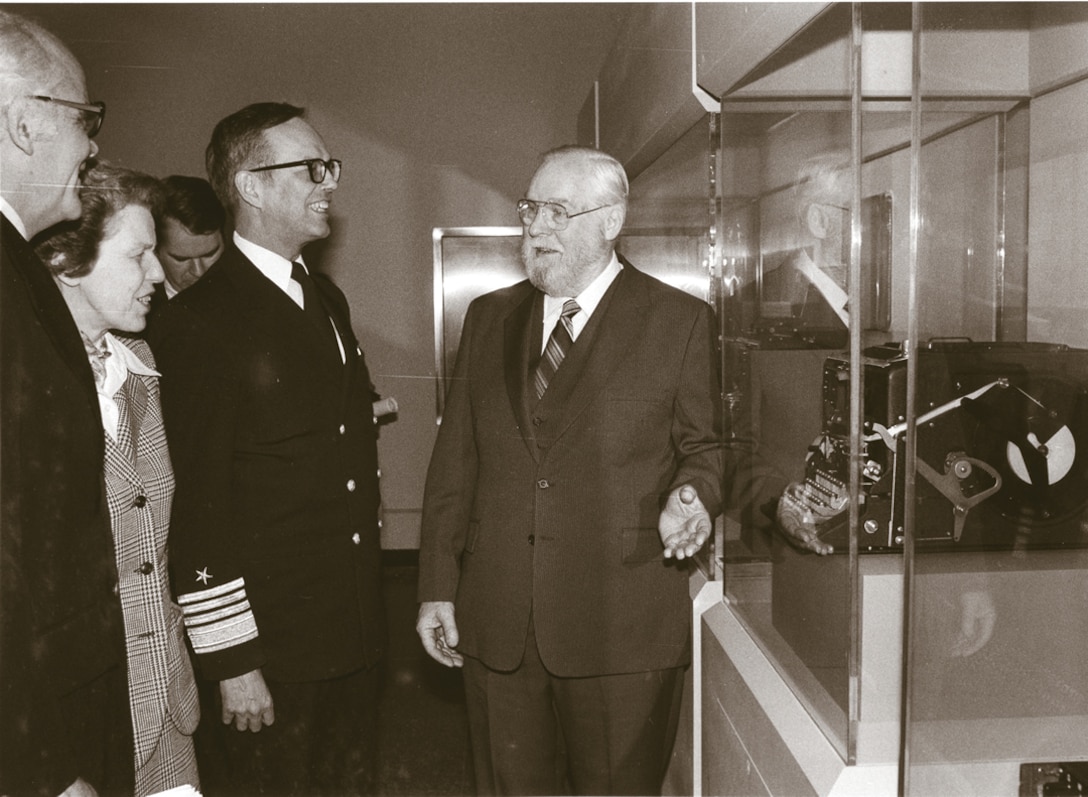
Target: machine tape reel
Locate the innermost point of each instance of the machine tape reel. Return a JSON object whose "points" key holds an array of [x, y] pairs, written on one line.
{"points": [[1036, 436], [1002, 447]]}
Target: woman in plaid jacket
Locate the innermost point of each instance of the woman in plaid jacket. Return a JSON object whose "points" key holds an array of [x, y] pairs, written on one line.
{"points": [[106, 269]]}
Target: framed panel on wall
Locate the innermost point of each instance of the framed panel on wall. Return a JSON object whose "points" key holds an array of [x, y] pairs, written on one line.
{"points": [[468, 262]]}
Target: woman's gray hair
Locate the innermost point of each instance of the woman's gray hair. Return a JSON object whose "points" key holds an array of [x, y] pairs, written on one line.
{"points": [[72, 249]]}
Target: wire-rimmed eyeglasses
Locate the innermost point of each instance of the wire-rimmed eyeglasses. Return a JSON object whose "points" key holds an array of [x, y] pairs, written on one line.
{"points": [[92, 113], [555, 215], [317, 168]]}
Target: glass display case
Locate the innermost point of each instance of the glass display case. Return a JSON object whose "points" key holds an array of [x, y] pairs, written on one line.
{"points": [[996, 686], [892, 244]]}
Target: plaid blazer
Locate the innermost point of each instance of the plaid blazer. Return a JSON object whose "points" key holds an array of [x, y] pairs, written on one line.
{"points": [[140, 490]]}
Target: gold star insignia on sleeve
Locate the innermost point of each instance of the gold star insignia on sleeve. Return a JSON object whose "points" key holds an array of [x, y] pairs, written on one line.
{"points": [[203, 576]]}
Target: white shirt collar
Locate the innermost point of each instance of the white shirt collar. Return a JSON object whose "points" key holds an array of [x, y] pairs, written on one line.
{"points": [[15, 219], [122, 361], [276, 267], [587, 300]]}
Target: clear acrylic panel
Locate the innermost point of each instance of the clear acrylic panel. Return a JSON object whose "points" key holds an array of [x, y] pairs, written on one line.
{"points": [[996, 681], [669, 232], [786, 196]]}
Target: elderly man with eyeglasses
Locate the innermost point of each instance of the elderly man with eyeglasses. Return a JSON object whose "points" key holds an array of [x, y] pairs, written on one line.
{"points": [[275, 536], [64, 707], [578, 460]]}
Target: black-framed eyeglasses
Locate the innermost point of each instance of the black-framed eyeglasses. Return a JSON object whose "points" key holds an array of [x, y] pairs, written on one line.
{"points": [[555, 215], [92, 113], [317, 167]]}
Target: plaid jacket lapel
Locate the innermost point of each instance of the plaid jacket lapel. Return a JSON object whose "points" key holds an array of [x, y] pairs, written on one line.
{"points": [[127, 425]]}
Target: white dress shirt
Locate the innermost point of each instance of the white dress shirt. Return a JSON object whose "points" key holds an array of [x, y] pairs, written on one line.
{"points": [[587, 301], [13, 217]]}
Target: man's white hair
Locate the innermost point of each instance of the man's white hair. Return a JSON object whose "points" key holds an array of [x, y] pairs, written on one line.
{"points": [[30, 57], [606, 173]]}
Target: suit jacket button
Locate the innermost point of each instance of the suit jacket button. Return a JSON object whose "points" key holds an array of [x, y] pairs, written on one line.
{"points": [[355, 538], [537, 420], [140, 502], [351, 485], [532, 539], [146, 569], [543, 484]]}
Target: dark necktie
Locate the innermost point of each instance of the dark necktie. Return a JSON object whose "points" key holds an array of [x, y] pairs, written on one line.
{"points": [[312, 305], [558, 345]]}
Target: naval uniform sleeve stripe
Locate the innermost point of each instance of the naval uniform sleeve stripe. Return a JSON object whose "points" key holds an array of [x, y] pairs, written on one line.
{"points": [[214, 592], [215, 605], [224, 634], [199, 619]]}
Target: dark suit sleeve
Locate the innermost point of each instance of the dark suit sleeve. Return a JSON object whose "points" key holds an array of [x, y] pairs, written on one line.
{"points": [[733, 477], [451, 480], [696, 421], [200, 399]]}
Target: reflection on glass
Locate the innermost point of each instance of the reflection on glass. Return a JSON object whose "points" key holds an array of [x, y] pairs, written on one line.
{"points": [[786, 218]]}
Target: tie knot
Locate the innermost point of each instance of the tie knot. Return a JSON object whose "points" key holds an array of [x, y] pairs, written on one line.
{"points": [[570, 309], [298, 272]]}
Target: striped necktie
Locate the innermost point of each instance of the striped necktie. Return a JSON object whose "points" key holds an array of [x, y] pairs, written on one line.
{"points": [[558, 345]]}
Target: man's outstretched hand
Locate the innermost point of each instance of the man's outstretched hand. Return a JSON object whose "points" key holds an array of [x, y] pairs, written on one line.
{"points": [[684, 524]]}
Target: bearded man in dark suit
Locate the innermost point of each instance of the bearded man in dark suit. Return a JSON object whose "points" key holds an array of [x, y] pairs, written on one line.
{"points": [[63, 694], [275, 540], [570, 467]]}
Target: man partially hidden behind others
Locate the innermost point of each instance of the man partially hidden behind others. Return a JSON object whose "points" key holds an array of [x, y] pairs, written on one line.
{"points": [[190, 231]]}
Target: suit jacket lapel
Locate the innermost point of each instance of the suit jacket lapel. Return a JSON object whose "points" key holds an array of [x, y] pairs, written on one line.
{"points": [[522, 328], [349, 369], [340, 322], [585, 371]]}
